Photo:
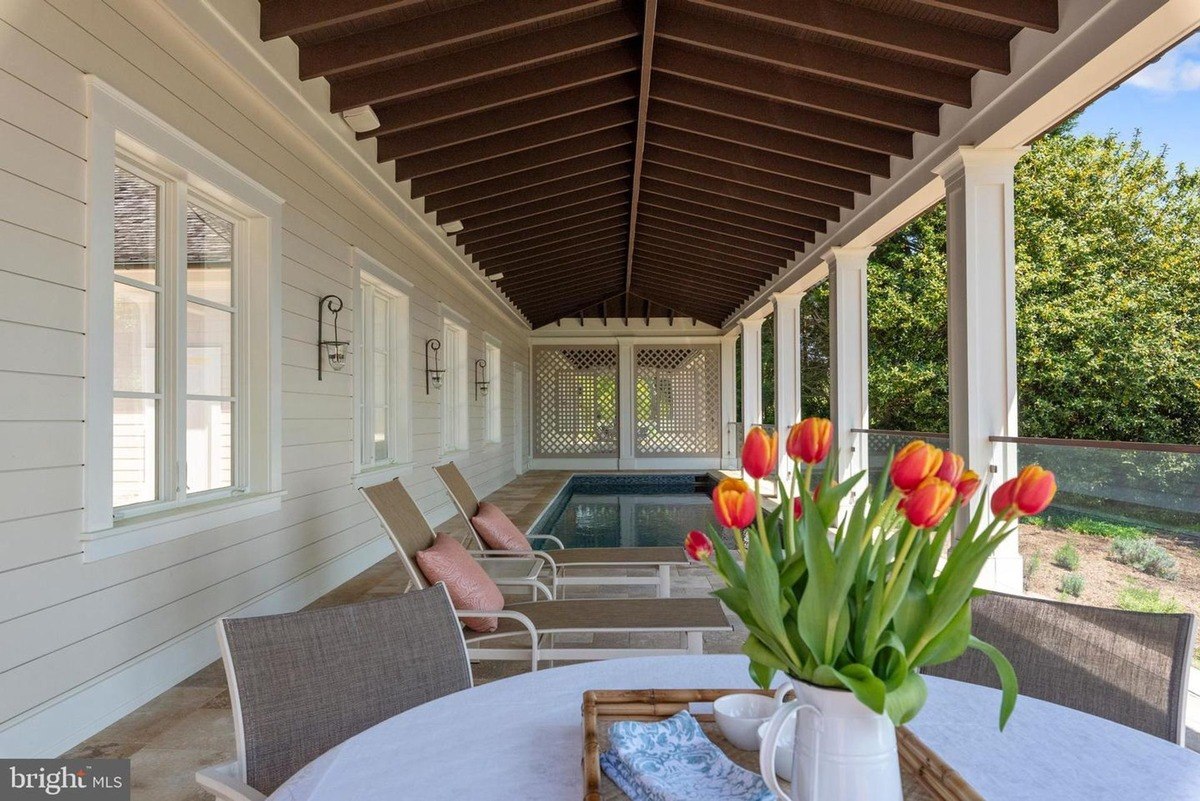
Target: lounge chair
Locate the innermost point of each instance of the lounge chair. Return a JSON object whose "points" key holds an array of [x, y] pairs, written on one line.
{"points": [[1131, 667], [687, 617], [304, 682], [608, 560]]}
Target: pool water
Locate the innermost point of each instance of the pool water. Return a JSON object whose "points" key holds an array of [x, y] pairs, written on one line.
{"points": [[626, 511]]}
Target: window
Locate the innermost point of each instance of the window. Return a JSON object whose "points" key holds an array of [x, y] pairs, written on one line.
{"points": [[455, 432], [491, 355], [183, 420], [382, 374]]}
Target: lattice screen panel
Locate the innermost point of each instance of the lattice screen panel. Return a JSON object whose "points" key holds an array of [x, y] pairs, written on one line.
{"points": [[575, 401], [677, 401]]}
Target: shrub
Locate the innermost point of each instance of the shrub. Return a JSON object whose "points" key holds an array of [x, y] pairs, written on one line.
{"points": [[1146, 555], [1032, 563], [1136, 598], [1071, 584], [1037, 521], [1067, 557], [1103, 528]]}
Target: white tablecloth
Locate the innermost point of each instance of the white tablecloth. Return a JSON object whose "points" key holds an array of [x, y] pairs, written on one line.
{"points": [[520, 739]]}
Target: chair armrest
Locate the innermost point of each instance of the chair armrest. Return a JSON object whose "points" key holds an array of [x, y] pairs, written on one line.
{"points": [[517, 616], [223, 782], [549, 537]]}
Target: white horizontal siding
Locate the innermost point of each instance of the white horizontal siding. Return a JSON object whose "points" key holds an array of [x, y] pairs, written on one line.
{"points": [[66, 623]]}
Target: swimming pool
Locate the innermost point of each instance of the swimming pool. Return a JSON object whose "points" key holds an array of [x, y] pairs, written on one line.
{"points": [[611, 511]]}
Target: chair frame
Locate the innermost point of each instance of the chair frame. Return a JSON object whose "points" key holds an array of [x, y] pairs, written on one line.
{"points": [[661, 581], [228, 781], [691, 641]]}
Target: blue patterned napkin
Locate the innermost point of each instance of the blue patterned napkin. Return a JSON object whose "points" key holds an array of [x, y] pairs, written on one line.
{"points": [[673, 761]]}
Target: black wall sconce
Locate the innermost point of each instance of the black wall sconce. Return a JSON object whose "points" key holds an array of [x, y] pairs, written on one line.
{"points": [[433, 375], [334, 350], [481, 383]]}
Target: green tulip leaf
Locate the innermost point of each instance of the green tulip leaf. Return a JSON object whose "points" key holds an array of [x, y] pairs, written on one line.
{"points": [[1008, 677], [903, 703]]}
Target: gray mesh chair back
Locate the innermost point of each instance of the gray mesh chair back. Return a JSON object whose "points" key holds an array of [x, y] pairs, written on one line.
{"points": [[301, 683], [404, 524], [464, 498], [1130, 667]]}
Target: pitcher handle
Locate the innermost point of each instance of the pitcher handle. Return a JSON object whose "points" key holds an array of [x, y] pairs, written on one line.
{"points": [[766, 751]]}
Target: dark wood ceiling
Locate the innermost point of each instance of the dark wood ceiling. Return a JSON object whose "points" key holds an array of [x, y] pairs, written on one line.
{"points": [[639, 158]]}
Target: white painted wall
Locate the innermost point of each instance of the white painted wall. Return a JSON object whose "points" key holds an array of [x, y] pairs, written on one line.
{"points": [[83, 643]]}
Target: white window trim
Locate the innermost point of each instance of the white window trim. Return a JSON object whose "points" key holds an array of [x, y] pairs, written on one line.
{"points": [[456, 381], [401, 426], [116, 122], [493, 427]]}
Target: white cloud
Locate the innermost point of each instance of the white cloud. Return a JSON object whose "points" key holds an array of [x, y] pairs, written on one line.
{"points": [[1176, 71]]}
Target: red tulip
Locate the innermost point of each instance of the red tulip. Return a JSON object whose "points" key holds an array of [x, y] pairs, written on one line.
{"points": [[928, 504], [915, 462], [967, 485], [759, 453], [810, 439], [733, 503], [1027, 494], [951, 469], [797, 508], [698, 546]]}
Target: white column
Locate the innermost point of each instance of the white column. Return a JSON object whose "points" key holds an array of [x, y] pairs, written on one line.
{"points": [[626, 422], [787, 368], [848, 356], [729, 443], [751, 372], [982, 329]]}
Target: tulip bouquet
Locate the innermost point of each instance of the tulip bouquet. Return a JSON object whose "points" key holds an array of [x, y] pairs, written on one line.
{"points": [[856, 599]]}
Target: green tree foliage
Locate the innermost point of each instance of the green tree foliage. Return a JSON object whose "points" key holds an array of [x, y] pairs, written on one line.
{"points": [[1108, 299]]}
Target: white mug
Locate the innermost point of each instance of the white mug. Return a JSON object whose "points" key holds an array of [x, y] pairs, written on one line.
{"points": [[740, 715]]}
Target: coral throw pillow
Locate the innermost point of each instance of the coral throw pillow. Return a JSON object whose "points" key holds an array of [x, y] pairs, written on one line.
{"points": [[471, 588], [497, 531]]}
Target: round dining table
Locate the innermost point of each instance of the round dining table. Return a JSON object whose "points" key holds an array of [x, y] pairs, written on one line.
{"points": [[521, 738]]}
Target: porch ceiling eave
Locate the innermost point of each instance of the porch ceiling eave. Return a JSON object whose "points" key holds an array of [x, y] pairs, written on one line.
{"points": [[1097, 45]]}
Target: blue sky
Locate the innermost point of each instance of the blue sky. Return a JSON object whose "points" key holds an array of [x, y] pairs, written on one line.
{"points": [[1163, 100]]}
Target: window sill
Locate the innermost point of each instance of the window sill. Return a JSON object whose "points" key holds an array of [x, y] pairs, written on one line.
{"points": [[370, 476], [135, 533]]}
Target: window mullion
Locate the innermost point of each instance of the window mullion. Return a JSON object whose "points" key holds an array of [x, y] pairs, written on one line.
{"points": [[175, 367], [366, 363]]}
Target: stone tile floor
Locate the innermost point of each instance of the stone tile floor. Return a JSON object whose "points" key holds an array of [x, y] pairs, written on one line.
{"points": [[191, 726]]}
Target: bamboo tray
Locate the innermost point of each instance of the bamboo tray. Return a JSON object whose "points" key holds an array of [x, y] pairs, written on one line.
{"points": [[925, 776]]}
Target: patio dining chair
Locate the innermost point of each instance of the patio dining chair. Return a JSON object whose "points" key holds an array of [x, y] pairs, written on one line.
{"points": [[612, 564], [543, 619], [1129, 667], [303, 682]]}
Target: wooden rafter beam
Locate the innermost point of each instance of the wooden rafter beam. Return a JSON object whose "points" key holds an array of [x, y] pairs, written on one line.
{"points": [[742, 282], [602, 253], [699, 214], [498, 92], [673, 253], [608, 282], [562, 225], [594, 244], [707, 168], [1040, 15], [521, 162], [713, 244], [603, 259], [479, 63], [737, 232], [600, 233], [700, 249], [550, 243], [780, 51], [704, 203], [710, 68], [280, 18], [541, 192], [539, 209], [738, 191], [878, 28], [701, 309], [542, 223], [736, 245], [751, 157], [461, 188], [563, 310], [649, 31], [582, 270], [429, 33]]}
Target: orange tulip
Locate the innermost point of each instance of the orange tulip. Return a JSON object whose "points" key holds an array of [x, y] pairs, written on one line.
{"points": [[698, 546], [810, 439], [915, 462], [733, 503], [928, 504], [759, 453], [1027, 494], [967, 485], [951, 469]]}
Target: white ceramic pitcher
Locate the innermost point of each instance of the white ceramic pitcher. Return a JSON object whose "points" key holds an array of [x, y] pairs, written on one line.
{"points": [[843, 750]]}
